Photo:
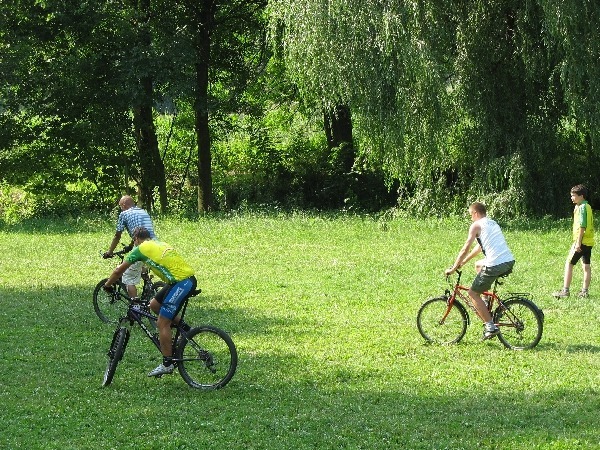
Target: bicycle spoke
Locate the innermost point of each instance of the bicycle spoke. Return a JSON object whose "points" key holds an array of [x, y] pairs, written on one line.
{"points": [[207, 358], [520, 323]]}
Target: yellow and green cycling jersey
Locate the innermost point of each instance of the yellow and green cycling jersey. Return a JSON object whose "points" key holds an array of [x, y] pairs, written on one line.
{"points": [[583, 217], [162, 259]]}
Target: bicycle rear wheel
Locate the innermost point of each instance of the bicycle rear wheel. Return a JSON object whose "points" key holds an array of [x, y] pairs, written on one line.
{"points": [[110, 307], [521, 324], [207, 358], [439, 325], [115, 353]]}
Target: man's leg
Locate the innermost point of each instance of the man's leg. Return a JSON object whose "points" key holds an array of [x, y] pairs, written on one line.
{"points": [[165, 336], [131, 277], [480, 306]]}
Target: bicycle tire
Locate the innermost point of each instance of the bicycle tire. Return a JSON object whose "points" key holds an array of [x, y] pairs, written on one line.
{"points": [[521, 323], [109, 307], [115, 353], [429, 321], [207, 357]]}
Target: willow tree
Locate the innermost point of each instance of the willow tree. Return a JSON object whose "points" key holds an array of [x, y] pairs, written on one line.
{"points": [[477, 99], [377, 58]]}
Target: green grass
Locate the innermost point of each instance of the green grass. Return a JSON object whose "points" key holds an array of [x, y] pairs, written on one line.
{"points": [[322, 310]]}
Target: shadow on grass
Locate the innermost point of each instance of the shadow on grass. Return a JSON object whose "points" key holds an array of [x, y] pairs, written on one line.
{"points": [[576, 348], [276, 400]]}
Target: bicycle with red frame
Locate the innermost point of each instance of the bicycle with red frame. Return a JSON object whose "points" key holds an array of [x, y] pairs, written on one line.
{"points": [[444, 319]]}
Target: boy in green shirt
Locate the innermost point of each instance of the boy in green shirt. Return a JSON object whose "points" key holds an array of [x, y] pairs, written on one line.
{"points": [[583, 241]]}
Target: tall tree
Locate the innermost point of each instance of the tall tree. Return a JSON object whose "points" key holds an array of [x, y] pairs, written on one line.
{"points": [[74, 75], [152, 169], [457, 97], [226, 38]]}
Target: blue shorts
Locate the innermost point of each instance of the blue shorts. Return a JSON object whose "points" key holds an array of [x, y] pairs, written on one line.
{"points": [[172, 296]]}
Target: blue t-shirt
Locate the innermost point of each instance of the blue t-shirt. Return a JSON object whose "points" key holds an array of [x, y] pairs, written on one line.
{"points": [[135, 217]]}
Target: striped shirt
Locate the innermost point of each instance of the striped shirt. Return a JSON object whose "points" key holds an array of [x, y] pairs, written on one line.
{"points": [[135, 217]]}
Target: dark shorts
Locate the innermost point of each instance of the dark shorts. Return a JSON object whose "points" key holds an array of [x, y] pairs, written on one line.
{"points": [[487, 275], [585, 254], [172, 296]]}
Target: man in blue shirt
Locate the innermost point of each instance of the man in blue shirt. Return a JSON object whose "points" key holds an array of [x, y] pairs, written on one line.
{"points": [[131, 216]]}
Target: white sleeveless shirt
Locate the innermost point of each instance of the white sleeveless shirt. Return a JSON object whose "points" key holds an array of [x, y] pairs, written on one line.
{"points": [[492, 243]]}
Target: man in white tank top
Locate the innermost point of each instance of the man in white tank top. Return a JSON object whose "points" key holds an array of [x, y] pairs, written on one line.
{"points": [[498, 261]]}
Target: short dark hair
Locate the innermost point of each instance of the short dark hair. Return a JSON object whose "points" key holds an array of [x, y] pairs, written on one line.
{"points": [[479, 208], [580, 189], [140, 233]]}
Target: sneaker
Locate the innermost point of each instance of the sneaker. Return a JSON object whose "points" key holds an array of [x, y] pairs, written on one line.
{"points": [[162, 370], [583, 293], [563, 293], [490, 333]]}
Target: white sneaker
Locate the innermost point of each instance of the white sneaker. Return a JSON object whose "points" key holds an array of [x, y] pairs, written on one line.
{"points": [[490, 333], [162, 370]]}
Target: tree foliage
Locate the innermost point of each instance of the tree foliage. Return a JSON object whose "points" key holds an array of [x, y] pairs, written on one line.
{"points": [[459, 100], [496, 100]]}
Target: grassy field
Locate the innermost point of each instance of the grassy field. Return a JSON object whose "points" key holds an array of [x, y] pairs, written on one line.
{"points": [[322, 310]]}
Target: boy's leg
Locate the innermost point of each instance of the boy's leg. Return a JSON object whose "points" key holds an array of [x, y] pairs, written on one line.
{"points": [[568, 274], [567, 277], [587, 276]]}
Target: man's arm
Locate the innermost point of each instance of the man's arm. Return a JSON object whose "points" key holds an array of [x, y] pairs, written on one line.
{"points": [[465, 253], [113, 244]]}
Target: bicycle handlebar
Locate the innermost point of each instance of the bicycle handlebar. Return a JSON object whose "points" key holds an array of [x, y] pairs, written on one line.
{"points": [[458, 272], [121, 254]]}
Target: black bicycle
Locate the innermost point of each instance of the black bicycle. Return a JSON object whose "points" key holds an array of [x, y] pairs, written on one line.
{"points": [[110, 307], [205, 356]]}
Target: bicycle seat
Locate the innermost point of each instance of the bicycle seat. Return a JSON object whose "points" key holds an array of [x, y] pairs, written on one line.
{"points": [[505, 274], [195, 292]]}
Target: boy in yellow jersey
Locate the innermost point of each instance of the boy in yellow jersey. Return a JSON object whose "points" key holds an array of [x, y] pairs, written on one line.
{"points": [[583, 241], [165, 262]]}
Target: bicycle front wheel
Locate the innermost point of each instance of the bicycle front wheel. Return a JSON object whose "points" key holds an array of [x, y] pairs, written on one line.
{"points": [[441, 323], [521, 324], [110, 307], [115, 353], [206, 358]]}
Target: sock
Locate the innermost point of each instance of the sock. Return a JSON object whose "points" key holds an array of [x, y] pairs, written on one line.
{"points": [[167, 361]]}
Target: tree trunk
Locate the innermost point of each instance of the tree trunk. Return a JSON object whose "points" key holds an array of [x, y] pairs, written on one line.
{"points": [[205, 21], [338, 129], [152, 170]]}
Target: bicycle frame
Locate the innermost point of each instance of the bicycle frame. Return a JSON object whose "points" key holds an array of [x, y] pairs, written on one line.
{"points": [[461, 292], [137, 310], [490, 298]]}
